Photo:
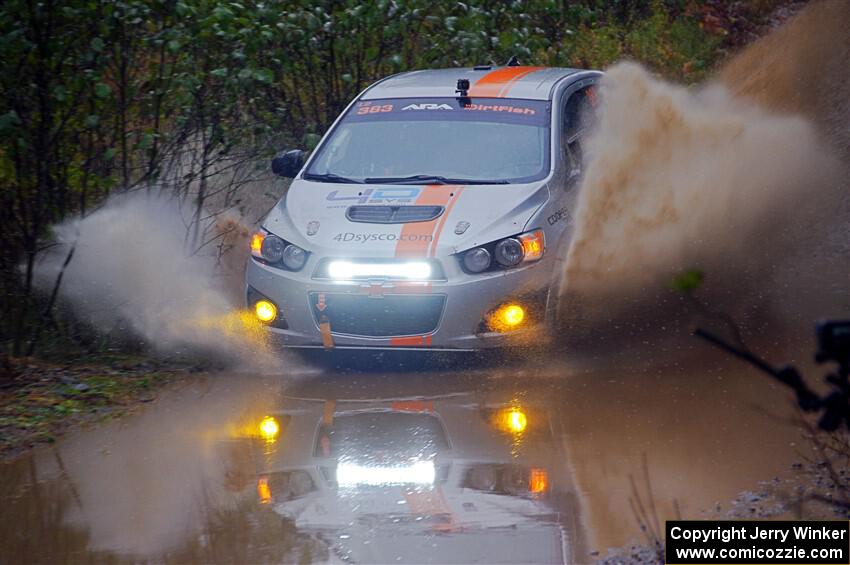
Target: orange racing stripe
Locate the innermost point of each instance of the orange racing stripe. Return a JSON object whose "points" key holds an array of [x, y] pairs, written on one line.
{"points": [[497, 84], [433, 503], [416, 238], [442, 223]]}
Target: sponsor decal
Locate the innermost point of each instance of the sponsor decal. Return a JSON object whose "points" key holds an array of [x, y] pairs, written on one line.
{"points": [[504, 110], [426, 106], [562, 214], [499, 108], [374, 196], [312, 227], [366, 108], [350, 237], [461, 227]]}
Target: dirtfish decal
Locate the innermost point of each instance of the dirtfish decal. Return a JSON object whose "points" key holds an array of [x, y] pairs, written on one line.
{"points": [[376, 196]]}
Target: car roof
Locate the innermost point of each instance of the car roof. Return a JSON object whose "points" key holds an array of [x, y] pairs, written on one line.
{"points": [[534, 83]]}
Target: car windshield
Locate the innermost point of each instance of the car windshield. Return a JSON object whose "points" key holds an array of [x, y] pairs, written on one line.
{"points": [[437, 140]]}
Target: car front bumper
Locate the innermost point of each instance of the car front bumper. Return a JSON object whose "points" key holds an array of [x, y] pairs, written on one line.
{"points": [[465, 302]]}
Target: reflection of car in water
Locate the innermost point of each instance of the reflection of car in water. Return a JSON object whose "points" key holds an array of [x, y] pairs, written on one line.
{"points": [[431, 215], [435, 480]]}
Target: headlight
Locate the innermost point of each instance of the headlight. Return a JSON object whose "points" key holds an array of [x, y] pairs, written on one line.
{"points": [[272, 248], [294, 257], [509, 252], [277, 252], [476, 260]]}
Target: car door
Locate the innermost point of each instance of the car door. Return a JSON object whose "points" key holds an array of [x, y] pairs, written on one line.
{"points": [[575, 118]]}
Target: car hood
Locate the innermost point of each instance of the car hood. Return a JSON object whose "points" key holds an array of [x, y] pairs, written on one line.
{"points": [[313, 215]]}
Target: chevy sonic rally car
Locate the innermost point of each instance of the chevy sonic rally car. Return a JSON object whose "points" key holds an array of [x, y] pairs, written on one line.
{"points": [[434, 214]]}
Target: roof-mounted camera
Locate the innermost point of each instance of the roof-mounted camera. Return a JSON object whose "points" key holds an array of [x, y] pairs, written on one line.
{"points": [[463, 87]]}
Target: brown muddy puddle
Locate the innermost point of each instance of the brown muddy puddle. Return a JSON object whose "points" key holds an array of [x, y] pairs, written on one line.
{"points": [[512, 464]]}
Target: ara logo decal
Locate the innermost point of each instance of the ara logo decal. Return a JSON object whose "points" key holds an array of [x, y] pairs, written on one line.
{"points": [[375, 196], [427, 106]]}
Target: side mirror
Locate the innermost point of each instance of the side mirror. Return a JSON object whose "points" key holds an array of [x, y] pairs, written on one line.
{"points": [[288, 163]]}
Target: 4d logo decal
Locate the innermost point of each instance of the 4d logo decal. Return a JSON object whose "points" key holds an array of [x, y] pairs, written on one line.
{"points": [[376, 196], [427, 106]]}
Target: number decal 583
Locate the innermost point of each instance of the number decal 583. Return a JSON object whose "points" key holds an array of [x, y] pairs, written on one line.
{"points": [[362, 110]]}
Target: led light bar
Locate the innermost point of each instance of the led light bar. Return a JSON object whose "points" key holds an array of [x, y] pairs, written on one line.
{"points": [[412, 270], [351, 474]]}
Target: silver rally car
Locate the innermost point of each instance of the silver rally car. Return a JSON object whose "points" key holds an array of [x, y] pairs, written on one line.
{"points": [[434, 214]]}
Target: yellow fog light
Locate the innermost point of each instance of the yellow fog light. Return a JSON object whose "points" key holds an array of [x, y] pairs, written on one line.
{"points": [[507, 317], [265, 310], [269, 428], [516, 420], [512, 315], [512, 420]]}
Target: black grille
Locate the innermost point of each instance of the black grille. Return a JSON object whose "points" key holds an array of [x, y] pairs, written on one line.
{"points": [[387, 316], [393, 214]]}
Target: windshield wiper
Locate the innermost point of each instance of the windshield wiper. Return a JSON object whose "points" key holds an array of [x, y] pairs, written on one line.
{"points": [[331, 177], [432, 179]]}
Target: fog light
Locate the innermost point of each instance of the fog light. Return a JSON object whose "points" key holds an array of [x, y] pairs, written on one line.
{"points": [[513, 315], [265, 310], [512, 420], [517, 420], [507, 317], [269, 428]]}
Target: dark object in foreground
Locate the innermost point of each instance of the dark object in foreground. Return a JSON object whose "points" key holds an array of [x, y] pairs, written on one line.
{"points": [[833, 345]]}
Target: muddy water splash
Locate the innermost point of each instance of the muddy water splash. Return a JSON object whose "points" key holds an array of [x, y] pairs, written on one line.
{"points": [[133, 272], [745, 188], [802, 68]]}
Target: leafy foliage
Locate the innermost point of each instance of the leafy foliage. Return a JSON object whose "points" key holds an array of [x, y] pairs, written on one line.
{"points": [[101, 95], [688, 281]]}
